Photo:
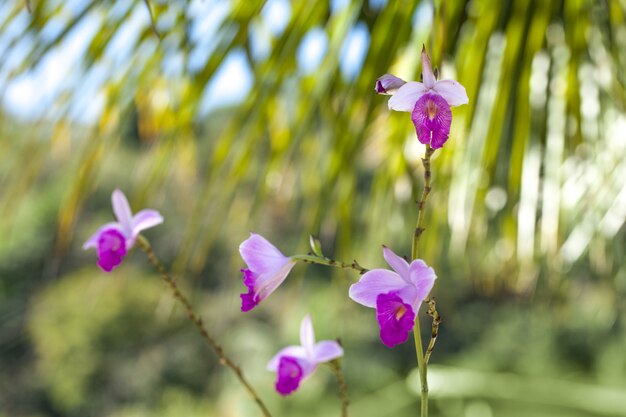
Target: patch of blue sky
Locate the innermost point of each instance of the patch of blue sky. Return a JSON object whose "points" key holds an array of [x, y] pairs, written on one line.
{"points": [[354, 50], [338, 5], [276, 15], [32, 94], [230, 85], [377, 4], [206, 19], [423, 16], [123, 43], [312, 50]]}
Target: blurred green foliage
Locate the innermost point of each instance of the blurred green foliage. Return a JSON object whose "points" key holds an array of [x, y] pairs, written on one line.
{"points": [[525, 224]]}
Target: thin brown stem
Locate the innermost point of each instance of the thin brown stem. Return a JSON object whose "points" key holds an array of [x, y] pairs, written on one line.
{"points": [[323, 260], [152, 22], [432, 312], [197, 321], [421, 205], [343, 387]]}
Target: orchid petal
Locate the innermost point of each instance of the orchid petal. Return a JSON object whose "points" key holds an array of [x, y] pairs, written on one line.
{"points": [[427, 70], [378, 281], [395, 319], [269, 281], [122, 211], [327, 350], [92, 242], [432, 119], [307, 335], [388, 84], [453, 92], [405, 98], [423, 277], [146, 219], [260, 255], [293, 351], [397, 263]]}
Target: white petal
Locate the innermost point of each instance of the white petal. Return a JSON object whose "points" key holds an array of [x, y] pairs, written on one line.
{"points": [[146, 219], [307, 335], [427, 70], [453, 92], [293, 351], [122, 211], [397, 263], [327, 350], [405, 98]]}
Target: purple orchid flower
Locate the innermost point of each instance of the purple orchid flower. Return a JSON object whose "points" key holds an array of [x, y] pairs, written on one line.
{"points": [[429, 102], [293, 364], [267, 269], [396, 296], [113, 240]]}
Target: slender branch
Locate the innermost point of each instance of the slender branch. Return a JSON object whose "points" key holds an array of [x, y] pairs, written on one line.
{"points": [[432, 312], [343, 387], [152, 22], [323, 260], [421, 205], [29, 6], [419, 229], [143, 243]]}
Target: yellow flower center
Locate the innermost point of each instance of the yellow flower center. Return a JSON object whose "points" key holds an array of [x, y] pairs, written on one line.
{"points": [[432, 109], [400, 312]]}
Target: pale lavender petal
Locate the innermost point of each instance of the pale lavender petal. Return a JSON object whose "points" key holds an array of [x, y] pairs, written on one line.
{"points": [[395, 318], [423, 278], [307, 334], [122, 211], [432, 119], [293, 351], [378, 281], [260, 255], [427, 70], [268, 282], [398, 263], [92, 242], [327, 350], [146, 219], [388, 84], [405, 98], [453, 92]]}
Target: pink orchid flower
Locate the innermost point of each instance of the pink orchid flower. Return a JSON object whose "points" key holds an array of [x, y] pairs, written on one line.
{"points": [[293, 364], [267, 269], [113, 240], [429, 102], [396, 296]]}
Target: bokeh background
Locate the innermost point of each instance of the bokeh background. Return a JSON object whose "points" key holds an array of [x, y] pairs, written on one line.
{"points": [[231, 116]]}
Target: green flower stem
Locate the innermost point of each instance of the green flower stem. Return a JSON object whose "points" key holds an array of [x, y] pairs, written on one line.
{"points": [[314, 259], [144, 245], [419, 229], [343, 387]]}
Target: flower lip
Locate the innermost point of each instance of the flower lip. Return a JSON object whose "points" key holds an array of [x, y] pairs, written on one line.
{"points": [[432, 119], [111, 249], [290, 374], [395, 318]]}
